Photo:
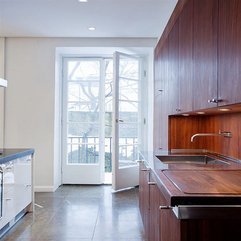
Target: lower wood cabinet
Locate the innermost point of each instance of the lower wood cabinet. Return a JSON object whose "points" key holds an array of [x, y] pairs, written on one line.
{"points": [[144, 202], [161, 224], [164, 225], [159, 221]]}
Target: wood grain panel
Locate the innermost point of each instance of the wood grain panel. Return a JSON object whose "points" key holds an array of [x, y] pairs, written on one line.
{"points": [[206, 182], [182, 128], [169, 226], [144, 198], [185, 57], [178, 9], [205, 53], [160, 99], [229, 49], [173, 70]]}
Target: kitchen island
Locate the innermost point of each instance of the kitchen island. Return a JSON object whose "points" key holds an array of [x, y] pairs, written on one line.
{"points": [[16, 186], [185, 198]]}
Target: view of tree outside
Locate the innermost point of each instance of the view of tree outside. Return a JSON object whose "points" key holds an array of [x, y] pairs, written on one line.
{"points": [[84, 76]]}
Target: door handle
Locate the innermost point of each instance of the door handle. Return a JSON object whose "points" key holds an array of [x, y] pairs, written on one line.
{"points": [[119, 120]]}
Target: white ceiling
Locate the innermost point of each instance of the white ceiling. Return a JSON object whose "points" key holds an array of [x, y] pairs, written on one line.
{"points": [[69, 18]]}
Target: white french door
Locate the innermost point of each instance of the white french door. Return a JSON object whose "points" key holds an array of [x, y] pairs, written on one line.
{"points": [[83, 120], [126, 121]]}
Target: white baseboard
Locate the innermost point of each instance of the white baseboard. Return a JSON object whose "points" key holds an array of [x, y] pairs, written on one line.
{"points": [[44, 189]]}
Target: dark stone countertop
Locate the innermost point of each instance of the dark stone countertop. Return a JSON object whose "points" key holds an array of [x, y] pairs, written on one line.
{"points": [[10, 154]]}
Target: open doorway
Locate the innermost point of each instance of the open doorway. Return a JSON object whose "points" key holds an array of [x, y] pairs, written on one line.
{"points": [[87, 113]]}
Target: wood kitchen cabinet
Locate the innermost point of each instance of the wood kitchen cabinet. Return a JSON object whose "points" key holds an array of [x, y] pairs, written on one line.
{"points": [[161, 98], [164, 226], [229, 52], [205, 16], [173, 70], [155, 203], [160, 223], [144, 172], [185, 72]]}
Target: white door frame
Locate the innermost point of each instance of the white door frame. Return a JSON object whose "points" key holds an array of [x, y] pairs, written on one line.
{"points": [[82, 173], [124, 177]]}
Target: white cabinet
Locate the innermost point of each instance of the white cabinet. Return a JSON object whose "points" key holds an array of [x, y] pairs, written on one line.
{"points": [[17, 189], [22, 183]]}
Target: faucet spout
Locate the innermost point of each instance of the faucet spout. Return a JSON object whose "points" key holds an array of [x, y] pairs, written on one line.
{"points": [[220, 133]]}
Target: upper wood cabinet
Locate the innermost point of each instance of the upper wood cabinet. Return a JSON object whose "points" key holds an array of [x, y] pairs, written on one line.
{"points": [[229, 52], [161, 98], [185, 57], [205, 16], [173, 70]]}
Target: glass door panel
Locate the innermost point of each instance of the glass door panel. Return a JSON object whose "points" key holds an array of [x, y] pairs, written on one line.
{"points": [[83, 121], [126, 120]]}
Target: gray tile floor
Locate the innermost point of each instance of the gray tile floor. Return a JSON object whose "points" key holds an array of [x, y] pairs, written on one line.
{"points": [[81, 213]]}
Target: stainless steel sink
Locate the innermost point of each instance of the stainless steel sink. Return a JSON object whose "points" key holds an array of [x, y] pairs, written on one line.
{"points": [[191, 159]]}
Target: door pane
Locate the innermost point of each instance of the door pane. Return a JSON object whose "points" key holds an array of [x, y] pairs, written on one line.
{"points": [[128, 68], [83, 122], [83, 91], [128, 111], [128, 90], [84, 70]]}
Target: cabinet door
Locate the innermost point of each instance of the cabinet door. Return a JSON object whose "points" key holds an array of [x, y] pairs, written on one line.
{"points": [[205, 53], [170, 226], [173, 69], [155, 203], [22, 182], [161, 98], [144, 197], [185, 57], [229, 71]]}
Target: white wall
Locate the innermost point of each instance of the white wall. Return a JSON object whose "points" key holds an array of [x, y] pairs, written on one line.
{"points": [[2, 56], [32, 118]]}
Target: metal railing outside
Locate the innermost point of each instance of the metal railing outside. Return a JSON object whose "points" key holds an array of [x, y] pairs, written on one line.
{"points": [[85, 150]]}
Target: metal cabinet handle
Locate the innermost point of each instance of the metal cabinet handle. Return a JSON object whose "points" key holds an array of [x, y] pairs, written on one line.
{"points": [[215, 100], [8, 199], [28, 185], [151, 183], [178, 110], [140, 161], [165, 207]]}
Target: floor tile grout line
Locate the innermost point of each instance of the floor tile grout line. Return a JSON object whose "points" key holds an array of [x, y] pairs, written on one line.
{"points": [[92, 238]]}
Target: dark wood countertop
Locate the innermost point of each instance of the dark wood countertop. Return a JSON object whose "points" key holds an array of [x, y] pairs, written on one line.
{"points": [[190, 184]]}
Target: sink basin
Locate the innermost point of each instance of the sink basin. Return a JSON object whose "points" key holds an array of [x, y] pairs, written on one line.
{"points": [[200, 159]]}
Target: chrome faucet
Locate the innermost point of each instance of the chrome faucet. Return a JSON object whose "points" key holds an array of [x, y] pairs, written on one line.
{"points": [[220, 133]]}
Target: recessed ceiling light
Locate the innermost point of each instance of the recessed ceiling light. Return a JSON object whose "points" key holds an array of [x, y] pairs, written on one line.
{"points": [[91, 28], [200, 113], [185, 114], [83, 1], [224, 109]]}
